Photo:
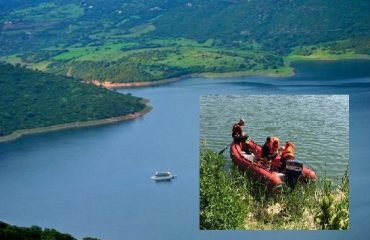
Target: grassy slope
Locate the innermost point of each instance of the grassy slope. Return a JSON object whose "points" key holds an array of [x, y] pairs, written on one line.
{"points": [[229, 200], [47, 12], [188, 55], [322, 54], [334, 50], [185, 54], [163, 58]]}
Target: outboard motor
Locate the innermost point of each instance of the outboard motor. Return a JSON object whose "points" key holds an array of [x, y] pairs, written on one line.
{"points": [[293, 170]]}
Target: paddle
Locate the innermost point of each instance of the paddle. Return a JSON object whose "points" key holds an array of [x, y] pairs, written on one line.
{"points": [[223, 150]]}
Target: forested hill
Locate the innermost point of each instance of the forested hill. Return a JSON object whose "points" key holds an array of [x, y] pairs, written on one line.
{"points": [[11, 232], [148, 40], [30, 99], [276, 24]]}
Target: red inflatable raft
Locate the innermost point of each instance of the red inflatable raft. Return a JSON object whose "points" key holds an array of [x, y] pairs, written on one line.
{"points": [[262, 173]]}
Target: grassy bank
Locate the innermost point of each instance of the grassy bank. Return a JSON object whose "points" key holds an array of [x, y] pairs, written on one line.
{"points": [[229, 200], [326, 56], [282, 71], [331, 51]]}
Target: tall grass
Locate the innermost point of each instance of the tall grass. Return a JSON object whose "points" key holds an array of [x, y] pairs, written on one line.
{"points": [[229, 199], [334, 212], [221, 204]]}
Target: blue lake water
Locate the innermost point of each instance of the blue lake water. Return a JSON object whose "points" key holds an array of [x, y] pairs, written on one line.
{"points": [[317, 124], [96, 181]]}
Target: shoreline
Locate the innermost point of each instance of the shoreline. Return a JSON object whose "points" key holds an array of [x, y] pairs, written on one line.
{"points": [[288, 60], [327, 57], [210, 75], [112, 85], [19, 133]]}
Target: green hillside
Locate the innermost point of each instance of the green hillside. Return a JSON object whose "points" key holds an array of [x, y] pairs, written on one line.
{"points": [[277, 25], [32, 99], [130, 41]]}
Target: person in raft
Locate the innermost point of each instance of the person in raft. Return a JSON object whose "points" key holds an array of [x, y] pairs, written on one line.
{"points": [[237, 132], [287, 154], [270, 150], [240, 137]]}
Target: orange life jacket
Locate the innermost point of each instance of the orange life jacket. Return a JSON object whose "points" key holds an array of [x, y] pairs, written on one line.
{"points": [[288, 152]]}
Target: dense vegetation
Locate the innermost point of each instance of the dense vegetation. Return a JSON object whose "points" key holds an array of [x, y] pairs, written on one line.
{"points": [[10, 232], [143, 40], [277, 25], [221, 201], [229, 200], [30, 99], [166, 62]]}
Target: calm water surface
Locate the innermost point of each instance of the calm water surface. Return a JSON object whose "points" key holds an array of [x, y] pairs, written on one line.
{"points": [[96, 181], [317, 124]]}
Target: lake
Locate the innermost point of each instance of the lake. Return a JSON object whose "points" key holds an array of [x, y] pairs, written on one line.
{"points": [[96, 181], [317, 124]]}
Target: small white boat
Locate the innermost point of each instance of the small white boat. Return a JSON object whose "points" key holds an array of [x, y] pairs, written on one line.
{"points": [[162, 176]]}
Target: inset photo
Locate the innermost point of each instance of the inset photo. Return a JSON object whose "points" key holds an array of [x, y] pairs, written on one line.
{"points": [[274, 162]]}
